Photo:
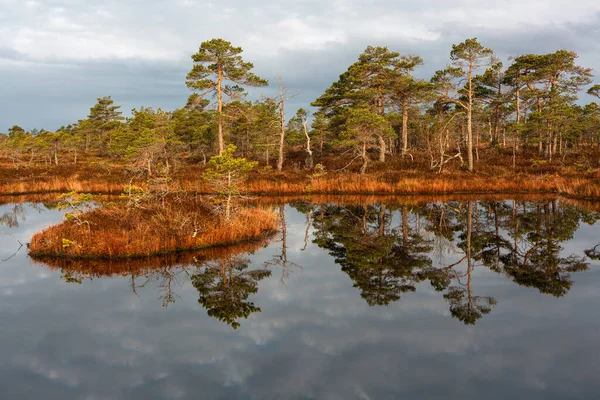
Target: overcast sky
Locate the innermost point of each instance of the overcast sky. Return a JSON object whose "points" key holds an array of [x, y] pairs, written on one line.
{"points": [[58, 56]]}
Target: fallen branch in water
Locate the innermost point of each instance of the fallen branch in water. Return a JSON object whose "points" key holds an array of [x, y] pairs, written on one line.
{"points": [[18, 241]]}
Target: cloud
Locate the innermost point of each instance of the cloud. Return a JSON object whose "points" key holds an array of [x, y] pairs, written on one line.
{"points": [[308, 42]]}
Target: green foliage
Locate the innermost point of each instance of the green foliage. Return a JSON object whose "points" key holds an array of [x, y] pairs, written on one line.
{"points": [[134, 195], [104, 118], [594, 91], [476, 101], [225, 173], [79, 204], [218, 56], [319, 171]]}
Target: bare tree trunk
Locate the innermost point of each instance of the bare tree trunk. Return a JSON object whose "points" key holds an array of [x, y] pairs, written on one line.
{"points": [[518, 110], [282, 126], [309, 159], [363, 168], [220, 109], [470, 120], [284, 94], [404, 125], [381, 149]]}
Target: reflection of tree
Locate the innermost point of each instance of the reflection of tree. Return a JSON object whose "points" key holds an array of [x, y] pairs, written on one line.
{"points": [[381, 261], [167, 279], [521, 240], [534, 259], [308, 209], [594, 252], [224, 287], [464, 306], [11, 217], [169, 272], [281, 259], [467, 308]]}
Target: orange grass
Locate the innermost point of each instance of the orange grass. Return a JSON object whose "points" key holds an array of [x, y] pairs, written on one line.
{"points": [[290, 183], [357, 184], [95, 268], [397, 177], [116, 232], [581, 188]]}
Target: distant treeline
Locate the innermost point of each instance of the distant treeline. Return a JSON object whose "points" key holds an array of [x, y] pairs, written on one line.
{"points": [[375, 109]]}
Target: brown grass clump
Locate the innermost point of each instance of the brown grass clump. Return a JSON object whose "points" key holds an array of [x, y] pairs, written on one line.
{"points": [[581, 188], [96, 268], [177, 225]]}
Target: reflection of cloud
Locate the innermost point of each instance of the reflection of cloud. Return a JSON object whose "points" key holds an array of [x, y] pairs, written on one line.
{"points": [[98, 340]]}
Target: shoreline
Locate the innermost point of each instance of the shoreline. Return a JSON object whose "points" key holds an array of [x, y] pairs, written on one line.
{"points": [[115, 233], [168, 253]]}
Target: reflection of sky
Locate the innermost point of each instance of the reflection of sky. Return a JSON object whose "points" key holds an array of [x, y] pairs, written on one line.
{"points": [[315, 336]]}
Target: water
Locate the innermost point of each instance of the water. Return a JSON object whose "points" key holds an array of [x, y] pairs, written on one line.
{"points": [[363, 302]]}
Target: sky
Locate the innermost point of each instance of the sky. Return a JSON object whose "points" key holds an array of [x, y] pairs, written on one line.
{"points": [[58, 56]]}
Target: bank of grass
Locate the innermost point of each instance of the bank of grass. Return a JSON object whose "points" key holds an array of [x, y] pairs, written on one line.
{"points": [[494, 174], [175, 226], [140, 266], [401, 185], [582, 188]]}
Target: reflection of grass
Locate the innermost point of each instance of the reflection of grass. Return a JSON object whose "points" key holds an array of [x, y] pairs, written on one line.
{"points": [[96, 268], [175, 226], [392, 200]]}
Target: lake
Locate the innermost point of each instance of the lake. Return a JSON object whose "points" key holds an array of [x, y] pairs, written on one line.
{"points": [[354, 299]]}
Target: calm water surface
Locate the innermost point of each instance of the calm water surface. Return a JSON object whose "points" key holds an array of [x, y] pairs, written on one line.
{"points": [[438, 300]]}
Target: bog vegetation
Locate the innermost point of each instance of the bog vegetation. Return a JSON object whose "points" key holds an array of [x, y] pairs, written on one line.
{"points": [[144, 228], [480, 124]]}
